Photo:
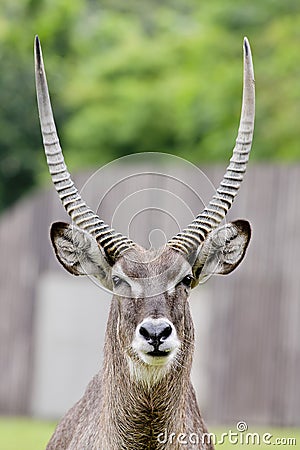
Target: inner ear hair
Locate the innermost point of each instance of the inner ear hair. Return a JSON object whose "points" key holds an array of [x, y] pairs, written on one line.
{"points": [[239, 236], [78, 251], [223, 250], [62, 239]]}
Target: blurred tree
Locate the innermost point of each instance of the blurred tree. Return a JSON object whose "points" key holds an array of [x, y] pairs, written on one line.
{"points": [[145, 76]]}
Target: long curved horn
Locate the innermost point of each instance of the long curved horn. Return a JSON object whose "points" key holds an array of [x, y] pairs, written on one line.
{"points": [[113, 243], [191, 237]]}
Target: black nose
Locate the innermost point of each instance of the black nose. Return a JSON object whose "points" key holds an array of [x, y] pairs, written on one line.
{"points": [[155, 333]]}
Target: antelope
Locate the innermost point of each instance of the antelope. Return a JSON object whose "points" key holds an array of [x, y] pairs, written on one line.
{"points": [[143, 397]]}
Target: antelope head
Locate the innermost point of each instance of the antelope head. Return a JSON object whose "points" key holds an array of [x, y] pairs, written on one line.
{"points": [[150, 317]]}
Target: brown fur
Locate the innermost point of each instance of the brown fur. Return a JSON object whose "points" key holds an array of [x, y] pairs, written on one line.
{"points": [[117, 412]]}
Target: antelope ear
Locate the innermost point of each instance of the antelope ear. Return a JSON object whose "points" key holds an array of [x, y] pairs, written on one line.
{"points": [[223, 250], [79, 252]]}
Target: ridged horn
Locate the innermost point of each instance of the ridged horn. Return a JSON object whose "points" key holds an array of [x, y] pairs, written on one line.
{"points": [[113, 243], [191, 237]]}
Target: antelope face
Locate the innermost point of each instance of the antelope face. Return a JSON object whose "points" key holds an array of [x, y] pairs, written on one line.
{"points": [[151, 291]]}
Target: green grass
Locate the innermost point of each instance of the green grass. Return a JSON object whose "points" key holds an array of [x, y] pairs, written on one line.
{"points": [[27, 434], [24, 434]]}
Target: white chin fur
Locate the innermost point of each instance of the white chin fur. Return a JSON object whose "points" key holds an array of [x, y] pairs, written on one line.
{"points": [[149, 374]]}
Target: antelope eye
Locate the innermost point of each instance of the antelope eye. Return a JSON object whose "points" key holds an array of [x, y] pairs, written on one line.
{"points": [[187, 280], [116, 280]]}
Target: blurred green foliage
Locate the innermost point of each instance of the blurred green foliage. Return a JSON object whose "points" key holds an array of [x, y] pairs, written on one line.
{"points": [[140, 76]]}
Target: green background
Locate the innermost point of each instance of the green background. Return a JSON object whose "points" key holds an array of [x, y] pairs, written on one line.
{"points": [[136, 76]]}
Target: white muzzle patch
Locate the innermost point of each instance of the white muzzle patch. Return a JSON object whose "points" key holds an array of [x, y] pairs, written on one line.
{"points": [[156, 342]]}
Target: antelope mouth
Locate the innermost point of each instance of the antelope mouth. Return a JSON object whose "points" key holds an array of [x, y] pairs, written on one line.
{"points": [[159, 353], [158, 357]]}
